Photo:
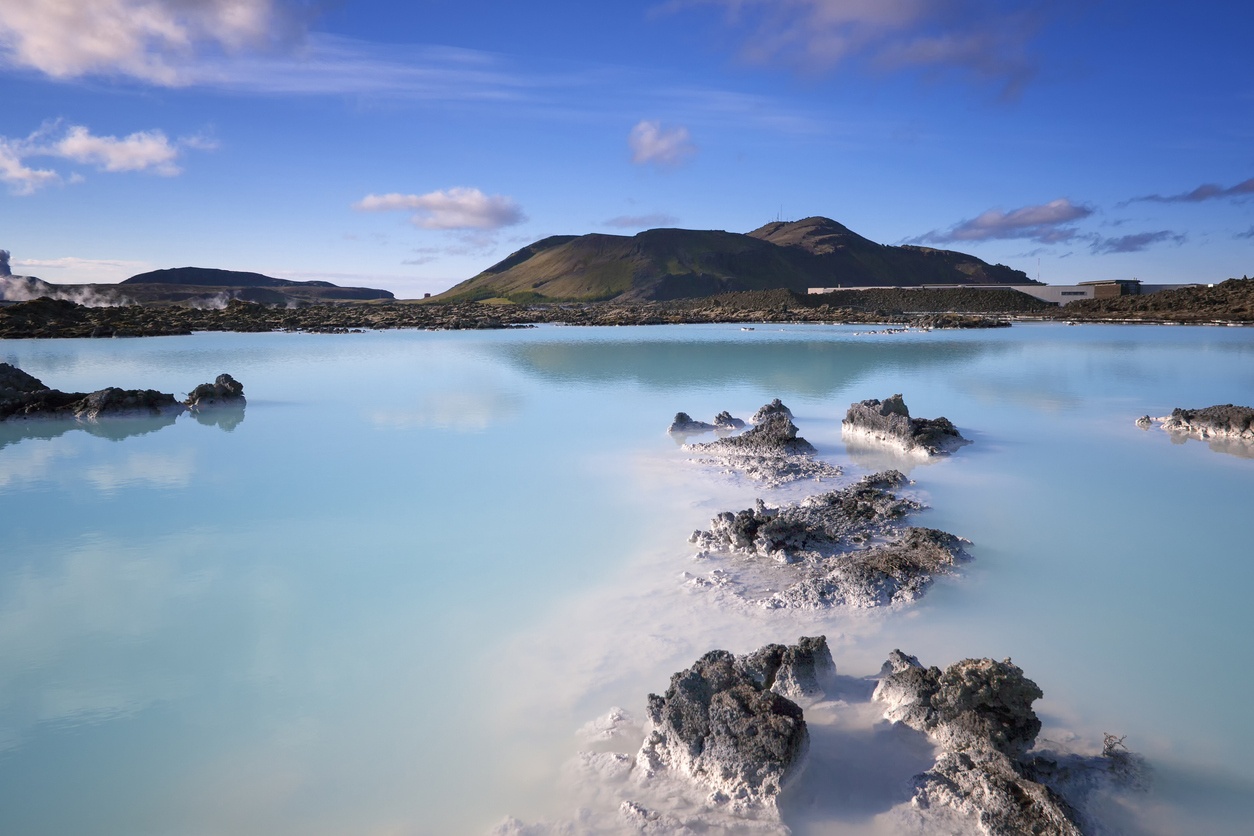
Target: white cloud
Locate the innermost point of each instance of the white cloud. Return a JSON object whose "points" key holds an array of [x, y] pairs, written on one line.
{"points": [[456, 208], [151, 40], [1047, 223], [139, 151], [651, 143], [22, 179]]}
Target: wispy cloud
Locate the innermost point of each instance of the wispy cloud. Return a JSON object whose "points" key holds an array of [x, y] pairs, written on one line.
{"points": [[1135, 243], [655, 219], [456, 208], [1206, 191], [651, 143], [1048, 223], [155, 41], [150, 151], [985, 39], [1249, 233]]}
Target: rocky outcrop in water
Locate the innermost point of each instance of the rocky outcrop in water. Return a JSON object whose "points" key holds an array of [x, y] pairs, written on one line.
{"points": [[771, 451], [1223, 421], [224, 391], [889, 422], [725, 724], [775, 407], [848, 547], [725, 421], [684, 424], [25, 398], [979, 713]]}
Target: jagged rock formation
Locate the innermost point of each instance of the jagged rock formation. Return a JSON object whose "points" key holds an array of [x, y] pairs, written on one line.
{"points": [[889, 422], [725, 421], [1223, 421], [771, 451], [847, 547], [775, 407], [684, 424], [725, 724], [24, 397], [979, 713], [224, 391]]}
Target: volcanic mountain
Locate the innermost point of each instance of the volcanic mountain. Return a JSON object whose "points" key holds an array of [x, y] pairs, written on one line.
{"points": [[661, 264]]}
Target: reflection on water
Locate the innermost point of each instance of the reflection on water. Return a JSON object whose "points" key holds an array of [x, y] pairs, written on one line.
{"points": [[114, 429], [225, 417]]}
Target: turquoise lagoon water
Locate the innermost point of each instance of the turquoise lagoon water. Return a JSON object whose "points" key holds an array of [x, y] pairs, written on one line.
{"points": [[384, 598]]}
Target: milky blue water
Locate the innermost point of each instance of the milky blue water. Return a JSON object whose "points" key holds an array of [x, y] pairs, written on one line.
{"points": [[384, 598]]}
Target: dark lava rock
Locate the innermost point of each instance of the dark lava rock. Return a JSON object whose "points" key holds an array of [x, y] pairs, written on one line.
{"points": [[957, 321], [684, 423], [224, 391], [889, 421], [722, 724], [775, 407], [14, 381], [1220, 421], [979, 712]]}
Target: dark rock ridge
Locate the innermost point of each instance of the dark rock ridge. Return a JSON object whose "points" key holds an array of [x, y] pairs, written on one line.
{"points": [[949, 321], [979, 713], [725, 723], [771, 451], [847, 547], [888, 421], [24, 398]]}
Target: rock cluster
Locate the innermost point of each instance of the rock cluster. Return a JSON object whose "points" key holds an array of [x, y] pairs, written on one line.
{"points": [[979, 713], [949, 321], [771, 451], [888, 421], [684, 423], [24, 398], [725, 421], [845, 547], [726, 723]]}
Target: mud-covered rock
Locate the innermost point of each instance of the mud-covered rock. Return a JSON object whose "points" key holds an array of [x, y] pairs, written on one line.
{"points": [[775, 407], [722, 724], [889, 422], [684, 423], [725, 421], [771, 451]]}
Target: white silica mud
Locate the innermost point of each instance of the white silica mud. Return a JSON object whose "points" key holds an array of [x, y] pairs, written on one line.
{"points": [[425, 582]]}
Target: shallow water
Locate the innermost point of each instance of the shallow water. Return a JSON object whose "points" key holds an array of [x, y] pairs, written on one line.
{"points": [[384, 598]]}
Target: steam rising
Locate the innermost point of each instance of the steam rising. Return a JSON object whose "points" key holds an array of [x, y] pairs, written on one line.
{"points": [[27, 288]]}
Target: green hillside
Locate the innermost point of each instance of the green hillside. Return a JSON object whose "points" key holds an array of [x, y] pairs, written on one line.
{"points": [[663, 264]]}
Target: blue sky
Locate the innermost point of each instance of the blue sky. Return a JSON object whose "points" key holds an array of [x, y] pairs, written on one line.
{"points": [[409, 145]]}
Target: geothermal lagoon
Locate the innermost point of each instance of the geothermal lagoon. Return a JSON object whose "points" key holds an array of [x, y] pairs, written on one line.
{"points": [[387, 597]]}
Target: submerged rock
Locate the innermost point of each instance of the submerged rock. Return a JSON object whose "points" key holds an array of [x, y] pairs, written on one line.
{"points": [[224, 391], [684, 423], [888, 421], [724, 724], [979, 713], [848, 547]]}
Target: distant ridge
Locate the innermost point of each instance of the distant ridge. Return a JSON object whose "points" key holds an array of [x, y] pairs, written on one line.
{"points": [[213, 277], [663, 264]]}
